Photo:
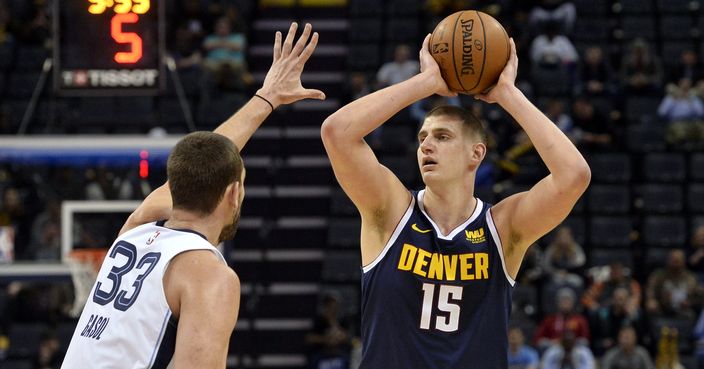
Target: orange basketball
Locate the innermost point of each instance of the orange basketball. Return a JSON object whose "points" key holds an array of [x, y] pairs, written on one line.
{"points": [[472, 49]]}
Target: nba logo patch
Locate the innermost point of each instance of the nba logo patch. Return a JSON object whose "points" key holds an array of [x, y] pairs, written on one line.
{"points": [[440, 48], [153, 237]]}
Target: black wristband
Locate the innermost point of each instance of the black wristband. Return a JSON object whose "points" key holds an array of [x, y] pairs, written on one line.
{"points": [[267, 101]]}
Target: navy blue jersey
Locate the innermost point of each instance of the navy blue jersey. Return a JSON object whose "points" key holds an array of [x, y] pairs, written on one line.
{"points": [[434, 301]]}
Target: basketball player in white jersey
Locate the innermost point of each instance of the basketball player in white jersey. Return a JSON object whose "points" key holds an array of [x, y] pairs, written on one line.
{"points": [[164, 297]]}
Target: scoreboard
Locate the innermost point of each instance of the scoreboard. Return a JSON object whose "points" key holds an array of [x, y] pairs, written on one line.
{"points": [[109, 47]]}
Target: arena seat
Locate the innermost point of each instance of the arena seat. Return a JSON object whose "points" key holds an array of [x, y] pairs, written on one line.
{"points": [[661, 198], [610, 167], [636, 7], [599, 256], [696, 166], [610, 231], [664, 167], [676, 27], [609, 199], [344, 232], [664, 231], [638, 26], [695, 198], [342, 266]]}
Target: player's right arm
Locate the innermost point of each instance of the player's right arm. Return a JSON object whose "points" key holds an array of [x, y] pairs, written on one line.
{"points": [[376, 192]]}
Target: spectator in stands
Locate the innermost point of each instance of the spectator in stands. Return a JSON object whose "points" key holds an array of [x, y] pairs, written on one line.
{"points": [[628, 354], [555, 110], [595, 74], [48, 246], [398, 70], [48, 353], [681, 103], [225, 56], [13, 213], [50, 215], [561, 12], [357, 86], [564, 257], [553, 49], [422, 107], [101, 184], [11, 206], [533, 267], [329, 342], [673, 290], [520, 355], [696, 258], [698, 335], [684, 111], [593, 129], [555, 326], [689, 67], [601, 293], [67, 183], [36, 29], [610, 318], [193, 18], [5, 34], [186, 50], [641, 72], [568, 354]]}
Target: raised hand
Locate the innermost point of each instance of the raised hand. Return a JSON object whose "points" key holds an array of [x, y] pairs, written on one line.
{"points": [[429, 66], [282, 84], [507, 80]]}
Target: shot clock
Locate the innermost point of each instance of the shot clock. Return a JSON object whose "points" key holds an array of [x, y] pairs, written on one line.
{"points": [[109, 47]]}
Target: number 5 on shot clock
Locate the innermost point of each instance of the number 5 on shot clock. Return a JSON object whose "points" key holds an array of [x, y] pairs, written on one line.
{"points": [[109, 47]]}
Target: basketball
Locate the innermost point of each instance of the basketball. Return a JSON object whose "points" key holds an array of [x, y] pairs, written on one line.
{"points": [[471, 49]]}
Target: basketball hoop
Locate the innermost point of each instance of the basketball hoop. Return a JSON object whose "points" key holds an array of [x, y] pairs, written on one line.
{"points": [[84, 265], [93, 257]]}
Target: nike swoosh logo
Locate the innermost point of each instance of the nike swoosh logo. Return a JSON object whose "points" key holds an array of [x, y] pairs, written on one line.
{"points": [[415, 228]]}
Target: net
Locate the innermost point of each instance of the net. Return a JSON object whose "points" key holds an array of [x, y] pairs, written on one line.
{"points": [[84, 265]]}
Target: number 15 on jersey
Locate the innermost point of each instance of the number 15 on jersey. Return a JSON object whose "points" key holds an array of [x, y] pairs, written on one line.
{"points": [[447, 310]]}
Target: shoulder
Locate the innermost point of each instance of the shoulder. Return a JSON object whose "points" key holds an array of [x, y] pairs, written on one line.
{"points": [[202, 273]]}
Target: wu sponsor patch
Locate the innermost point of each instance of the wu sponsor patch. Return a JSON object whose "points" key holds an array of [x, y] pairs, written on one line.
{"points": [[475, 236]]}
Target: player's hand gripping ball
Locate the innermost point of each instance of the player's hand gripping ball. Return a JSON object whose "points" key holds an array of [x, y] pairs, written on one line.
{"points": [[471, 49]]}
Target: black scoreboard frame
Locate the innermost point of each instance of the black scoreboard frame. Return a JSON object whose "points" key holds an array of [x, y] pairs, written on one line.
{"points": [[58, 70]]}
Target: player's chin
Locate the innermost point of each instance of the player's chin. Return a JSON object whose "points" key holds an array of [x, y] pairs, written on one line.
{"points": [[429, 176]]}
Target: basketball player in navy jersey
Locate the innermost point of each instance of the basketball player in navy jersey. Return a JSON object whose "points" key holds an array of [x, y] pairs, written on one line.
{"points": [[439, 265], [164, 296]]}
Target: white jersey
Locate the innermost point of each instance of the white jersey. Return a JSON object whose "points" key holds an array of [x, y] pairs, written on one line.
{"points": [[127, 322]]}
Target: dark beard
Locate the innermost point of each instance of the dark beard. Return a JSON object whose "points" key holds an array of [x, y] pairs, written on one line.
{"points": [[228, 232]]}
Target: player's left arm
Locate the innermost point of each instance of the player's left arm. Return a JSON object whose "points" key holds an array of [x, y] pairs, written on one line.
{"points": [[156, 206], [204, 294], [523, 218], [282, 85]]}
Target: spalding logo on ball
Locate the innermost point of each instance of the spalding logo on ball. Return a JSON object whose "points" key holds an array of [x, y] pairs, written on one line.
{"points": [[472, 49]]}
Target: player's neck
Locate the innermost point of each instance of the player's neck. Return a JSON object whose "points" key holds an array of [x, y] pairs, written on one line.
{"points": [[205, 225], [449, 206]]}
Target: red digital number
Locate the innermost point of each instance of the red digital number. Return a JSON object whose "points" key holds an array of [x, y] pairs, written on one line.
{"points": [[135, 53]]}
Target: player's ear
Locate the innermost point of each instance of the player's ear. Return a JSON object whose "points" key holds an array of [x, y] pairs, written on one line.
{"points": [[478, 151], [232, 193]]}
